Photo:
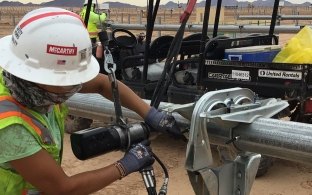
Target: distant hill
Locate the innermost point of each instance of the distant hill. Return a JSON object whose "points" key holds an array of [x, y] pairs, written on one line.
{"points": [[79, 3], [169, 5], [257, 3], [64, 3], [120, 5], [10, 3]]}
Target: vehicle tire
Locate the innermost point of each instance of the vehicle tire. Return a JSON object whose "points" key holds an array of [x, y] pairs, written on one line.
{"points": [[265, 163]]}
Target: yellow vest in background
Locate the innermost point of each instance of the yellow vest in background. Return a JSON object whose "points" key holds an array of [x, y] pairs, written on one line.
{"points": [[94, 20]]}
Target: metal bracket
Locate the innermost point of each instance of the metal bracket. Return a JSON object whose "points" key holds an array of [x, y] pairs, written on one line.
{"points": [[225, 109]]}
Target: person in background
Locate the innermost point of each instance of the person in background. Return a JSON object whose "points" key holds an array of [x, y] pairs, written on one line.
{"points": [[140, 47], [35, 82], [94, 20]]}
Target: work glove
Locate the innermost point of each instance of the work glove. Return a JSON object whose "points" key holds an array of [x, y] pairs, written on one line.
{"points": [[137, 157], [163, 122]]}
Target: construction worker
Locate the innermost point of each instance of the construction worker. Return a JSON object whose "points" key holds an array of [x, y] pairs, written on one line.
{"points": [[94, 20], [35, 81]]}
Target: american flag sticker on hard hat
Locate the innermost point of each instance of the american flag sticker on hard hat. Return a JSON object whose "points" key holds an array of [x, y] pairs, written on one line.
{"points": [[61, 62]]}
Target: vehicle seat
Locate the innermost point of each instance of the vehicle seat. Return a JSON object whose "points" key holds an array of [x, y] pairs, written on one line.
{"points": [[191, 45], [188, 63], [132, 66]]}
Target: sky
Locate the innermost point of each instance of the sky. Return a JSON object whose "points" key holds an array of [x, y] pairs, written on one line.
{"points": [[143, 2]]}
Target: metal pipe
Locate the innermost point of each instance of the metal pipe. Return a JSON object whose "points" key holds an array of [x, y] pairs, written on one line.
{"points": [[274, 16], [95, 106], [222, 28], [278, 138], [280, 17]]}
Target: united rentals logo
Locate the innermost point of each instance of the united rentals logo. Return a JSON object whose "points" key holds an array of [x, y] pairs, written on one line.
{"points": [[280, 74], [61, 50]]}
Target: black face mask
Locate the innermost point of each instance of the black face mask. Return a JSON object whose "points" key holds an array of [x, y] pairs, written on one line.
{"points": [[30, 95]]}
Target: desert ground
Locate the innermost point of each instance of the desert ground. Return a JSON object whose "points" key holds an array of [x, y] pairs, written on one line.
{"points": [[283, 178]]}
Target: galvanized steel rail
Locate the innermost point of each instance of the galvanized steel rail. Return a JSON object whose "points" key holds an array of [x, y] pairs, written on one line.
{"points": [[222, 28], [279, 17]]}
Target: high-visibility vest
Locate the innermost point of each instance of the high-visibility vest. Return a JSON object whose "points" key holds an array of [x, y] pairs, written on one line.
{"points": [[94, 20], [11, 112]]}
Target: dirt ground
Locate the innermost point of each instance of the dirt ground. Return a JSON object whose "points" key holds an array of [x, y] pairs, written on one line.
{"points": [[283, 178]]}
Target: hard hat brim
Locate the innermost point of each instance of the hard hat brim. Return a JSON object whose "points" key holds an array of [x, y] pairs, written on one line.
{"points": [[14, 65]]}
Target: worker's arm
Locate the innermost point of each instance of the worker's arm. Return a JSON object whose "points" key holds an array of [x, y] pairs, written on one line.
{"points": [[97, 18], [41, 170], [128, 98]]}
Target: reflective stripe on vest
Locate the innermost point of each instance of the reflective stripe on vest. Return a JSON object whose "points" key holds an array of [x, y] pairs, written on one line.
{"points": [[92, 34], [30, 192], [10, 107], [11, 183]]}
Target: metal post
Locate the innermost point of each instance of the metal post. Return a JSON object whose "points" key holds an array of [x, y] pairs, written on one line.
{"points": [[222, 28], [159, 22], [139, 17], [13, 20], [164, 15]]}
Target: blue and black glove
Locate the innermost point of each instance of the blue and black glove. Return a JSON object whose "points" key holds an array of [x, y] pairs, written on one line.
{"points": [[163, 122], [137, 157]]}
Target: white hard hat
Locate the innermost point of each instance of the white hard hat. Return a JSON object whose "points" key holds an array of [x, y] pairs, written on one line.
{"points": [[49, 46]]}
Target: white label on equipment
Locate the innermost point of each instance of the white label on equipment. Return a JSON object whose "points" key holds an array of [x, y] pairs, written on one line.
{"points": [[240, 75], [280, 74]]}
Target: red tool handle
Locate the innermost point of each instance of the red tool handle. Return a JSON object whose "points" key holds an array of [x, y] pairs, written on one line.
{"points": [[187, 12]]}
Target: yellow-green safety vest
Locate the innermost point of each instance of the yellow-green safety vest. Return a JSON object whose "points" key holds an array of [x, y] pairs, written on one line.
{"points": [[94, 20], [11, 112]]}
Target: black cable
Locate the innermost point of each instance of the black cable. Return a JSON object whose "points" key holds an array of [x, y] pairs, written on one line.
{"points": [[151, 17], [155, 12], [274, 17], [164, 187], [167, 74], [203, 43], [162, 165], [149, 180], [88, 10], [148, 38]]}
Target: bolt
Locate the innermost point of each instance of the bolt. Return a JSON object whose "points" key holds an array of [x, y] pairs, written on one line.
{"points": [[239, 175]]}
